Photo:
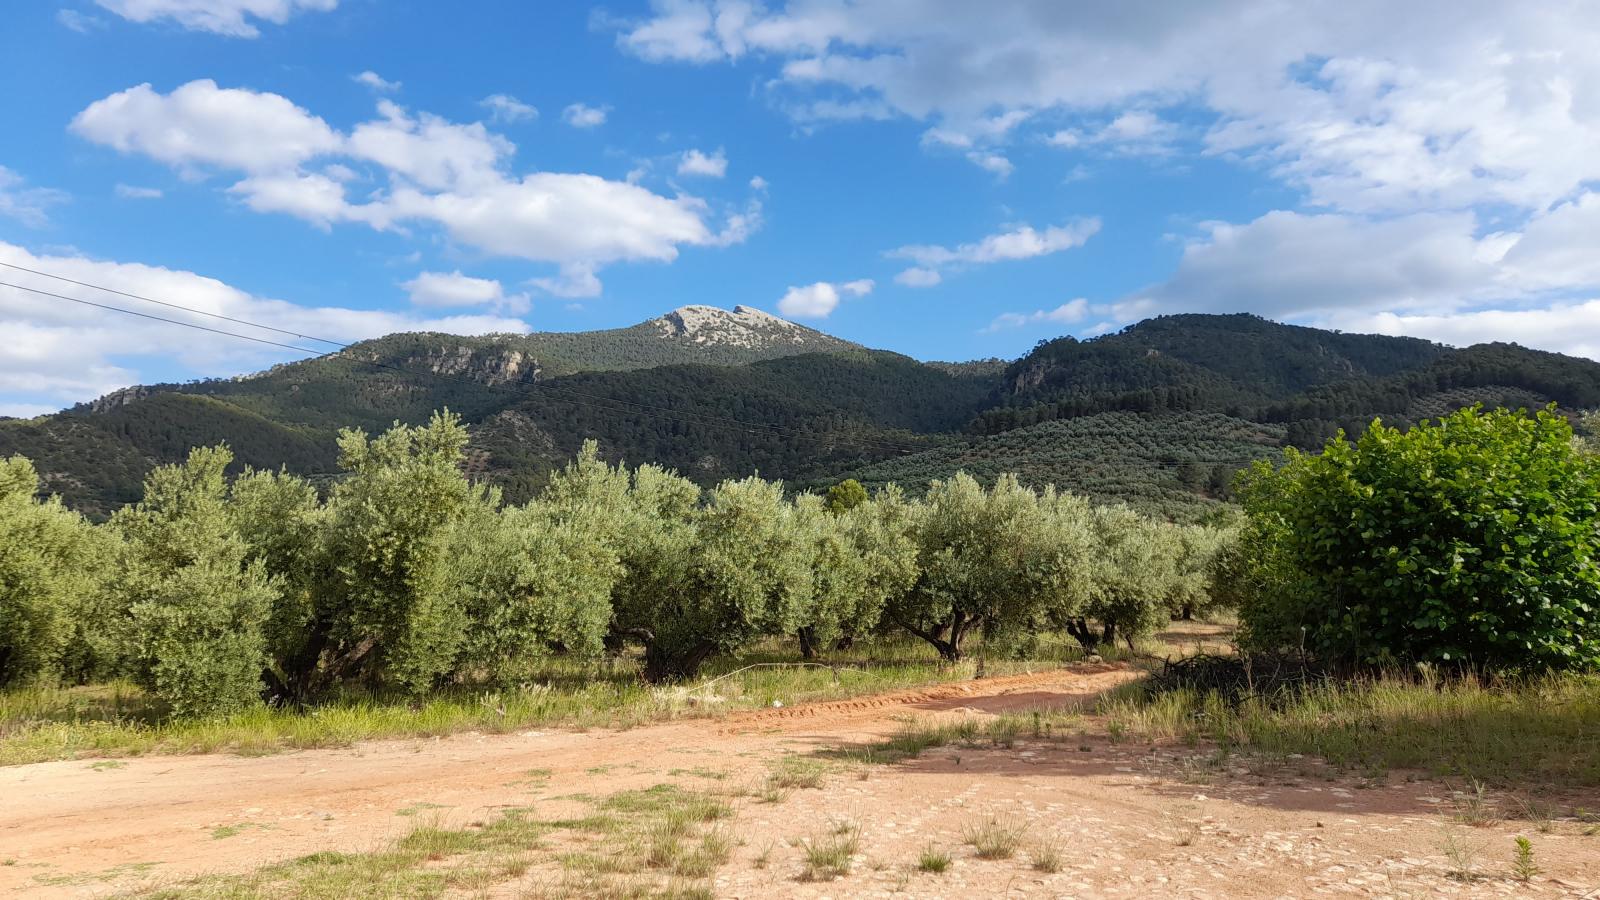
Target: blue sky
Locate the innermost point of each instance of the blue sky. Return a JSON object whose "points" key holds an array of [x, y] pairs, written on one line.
{"points": [[945, 179]]}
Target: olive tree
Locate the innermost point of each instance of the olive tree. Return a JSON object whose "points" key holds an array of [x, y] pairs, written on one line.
{"points": [[981, 563], [194, 603], [531, 582], [839, 599], [392, 613], [284, 525], [1134, 566], [749, 576], [49, 566]]}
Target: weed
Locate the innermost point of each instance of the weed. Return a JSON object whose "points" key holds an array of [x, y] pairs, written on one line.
{"points": [[1046, 856], [933, 860], [1461, 855], [1523, 868], [1475, 808], [829, 856], [798, 772], [994, 839]]}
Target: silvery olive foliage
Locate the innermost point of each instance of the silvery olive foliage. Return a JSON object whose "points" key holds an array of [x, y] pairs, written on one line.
{"points": [[404, 576]]}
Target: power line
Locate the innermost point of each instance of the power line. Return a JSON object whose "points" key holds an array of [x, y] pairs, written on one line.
{"points": [[642, 408]]}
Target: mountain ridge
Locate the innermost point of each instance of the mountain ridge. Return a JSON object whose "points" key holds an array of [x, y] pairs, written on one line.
{"points": [[724, 393]]}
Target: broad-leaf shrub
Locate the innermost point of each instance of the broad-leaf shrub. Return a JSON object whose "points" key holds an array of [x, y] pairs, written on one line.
{"points": [[1472, 541]]}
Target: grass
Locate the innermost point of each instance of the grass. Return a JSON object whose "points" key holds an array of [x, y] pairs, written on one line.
{"points": [[993, 838], [933, 860], [792, 772], [1515, 733], [660, 842], [830, 855], [1046, 856], [39, 724]]}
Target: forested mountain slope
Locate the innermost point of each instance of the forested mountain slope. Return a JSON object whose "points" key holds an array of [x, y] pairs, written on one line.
{"points": [[1176, 465], [1159, 414]]}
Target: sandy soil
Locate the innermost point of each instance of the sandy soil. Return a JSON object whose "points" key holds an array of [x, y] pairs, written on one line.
{"points": [[1128, 819]]}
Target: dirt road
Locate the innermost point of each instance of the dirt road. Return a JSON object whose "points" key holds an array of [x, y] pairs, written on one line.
{"points": [[1128, 819]]}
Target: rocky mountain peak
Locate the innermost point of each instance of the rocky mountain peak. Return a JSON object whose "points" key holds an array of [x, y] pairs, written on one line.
{"points": [[743, 326]]}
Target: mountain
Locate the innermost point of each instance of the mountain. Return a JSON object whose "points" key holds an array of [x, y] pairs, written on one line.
{"points": [[1159, 414]]}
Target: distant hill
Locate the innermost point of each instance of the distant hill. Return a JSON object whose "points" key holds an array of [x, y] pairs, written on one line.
{"points": [[1175, 464], [1159, 414]]}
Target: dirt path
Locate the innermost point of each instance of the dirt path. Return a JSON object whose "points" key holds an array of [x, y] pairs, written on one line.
{"points": [[1128, 819]]}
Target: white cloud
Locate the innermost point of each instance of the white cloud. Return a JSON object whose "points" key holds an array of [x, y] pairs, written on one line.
{"points": [[375, 81], [1071, 312], [229, 17], [994, 163], [428, 150], [61, 353], [1136, 132], [1021, 242], [506, 108], [757, 183], [28, 205], [134, 192], [1344, 98], [81, 22], [918, 277], [1572, 328], [1294, 264], [450, 175], [817, 301], [200, 124], [580, 115], [1418, 272], [453, 289], [574, 280], [694, 162]]}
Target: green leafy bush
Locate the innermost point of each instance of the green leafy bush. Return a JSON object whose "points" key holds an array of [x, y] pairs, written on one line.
{"points": [[1473, 541]]}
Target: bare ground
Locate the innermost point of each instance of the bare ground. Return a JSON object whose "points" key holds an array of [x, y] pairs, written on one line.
{"points": [[1127, 819]]}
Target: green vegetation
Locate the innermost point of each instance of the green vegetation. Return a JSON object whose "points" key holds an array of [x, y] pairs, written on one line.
{"points": [[1522, 732], [1174, 465], [1470, 543], [658, 842], [1157, 416], [408, 580]]}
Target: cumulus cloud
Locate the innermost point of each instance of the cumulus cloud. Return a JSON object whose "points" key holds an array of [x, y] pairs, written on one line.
{"points": [[449, 175], [1572, 328], [506, 108], [1069, 313], [1409, 274], [200, 124], [1021, 242], [453, 289], [228, 17], [581, 115], [59, 353], [694, 162], [1340, 98], [28, 205], [430, 151], [375, 81], [817, 301]]}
